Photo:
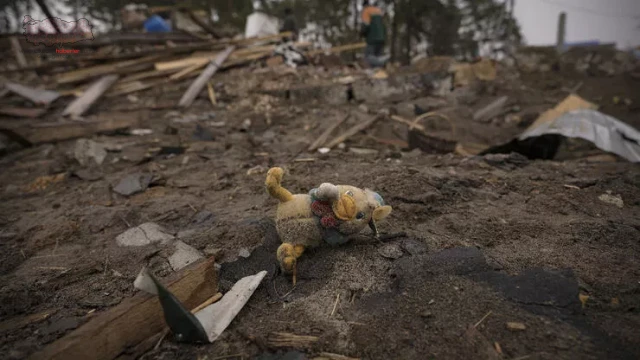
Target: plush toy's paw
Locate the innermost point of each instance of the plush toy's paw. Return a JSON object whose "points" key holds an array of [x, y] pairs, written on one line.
{"points": [[328, 191], [276, 172]]}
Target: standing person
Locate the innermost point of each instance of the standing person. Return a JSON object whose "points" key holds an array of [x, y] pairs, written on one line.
{"points": [[375, 33], [289, 24]]}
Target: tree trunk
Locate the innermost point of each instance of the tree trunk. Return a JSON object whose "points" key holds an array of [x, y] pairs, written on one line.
{"points": [[394, 32]]}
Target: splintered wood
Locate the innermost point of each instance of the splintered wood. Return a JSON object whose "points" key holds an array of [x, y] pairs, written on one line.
{"points": [[352, 131], [84, 102], [325, 135], [134, 320], [281, 339], [201, 81]]}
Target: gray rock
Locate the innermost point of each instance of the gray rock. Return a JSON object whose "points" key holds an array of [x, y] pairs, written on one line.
{"points": [[133, 184], [414, 247], [145, 234], [203, 216], [363, 151], [216, 252], [183, 256], [244, 252], [87, 151], [390, 251]]}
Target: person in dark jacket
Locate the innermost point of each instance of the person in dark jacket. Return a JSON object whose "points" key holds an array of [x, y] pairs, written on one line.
{"points": [[289, 24], [375, 33]]}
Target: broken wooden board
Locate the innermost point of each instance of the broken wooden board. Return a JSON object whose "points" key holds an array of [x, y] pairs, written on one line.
{"points": [[95, 71], [136, 319], [337, 49], [17, 52], [93, 93], [325, 135], [201, 81], [40, 97], [22, 112], [353, 130], [282, 339], [430, 144], [59, 131]]}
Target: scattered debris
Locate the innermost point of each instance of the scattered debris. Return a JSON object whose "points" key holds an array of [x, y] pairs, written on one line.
{"points": [[93, 93], [516, 326], [133, 184], [183, 255], [43, 182], [86, 150], [317, 144], [603, 131], [202, 134], [111, 331], [244, 252], [612, 199], [203, 79], [363, 152], [216, 317], [38, 97], [141, 132], [287, 340], [352, 131], [258, 169], [390, 251], [22, 112], [491, 110], [145, 234]]}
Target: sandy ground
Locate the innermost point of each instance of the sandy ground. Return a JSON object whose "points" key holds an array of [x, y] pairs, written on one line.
{"points": [[529, 242]]}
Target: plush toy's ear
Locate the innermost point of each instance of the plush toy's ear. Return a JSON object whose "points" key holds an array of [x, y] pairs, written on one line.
{"points": [[381, 212]]}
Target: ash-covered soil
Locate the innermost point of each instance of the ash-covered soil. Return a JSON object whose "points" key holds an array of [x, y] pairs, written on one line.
{"points": [[530, 242]]}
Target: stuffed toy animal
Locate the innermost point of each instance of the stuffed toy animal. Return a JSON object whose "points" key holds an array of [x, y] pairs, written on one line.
{"points": [[329, 213]]}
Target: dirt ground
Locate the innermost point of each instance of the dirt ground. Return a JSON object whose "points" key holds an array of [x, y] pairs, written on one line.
{"points": [[522, 241]]}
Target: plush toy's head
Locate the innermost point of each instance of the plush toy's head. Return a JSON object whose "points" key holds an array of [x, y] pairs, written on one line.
{"points": [[356, 207]]}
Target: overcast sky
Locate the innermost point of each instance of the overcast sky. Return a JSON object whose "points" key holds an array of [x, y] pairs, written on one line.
{"points": [[605, 20]]}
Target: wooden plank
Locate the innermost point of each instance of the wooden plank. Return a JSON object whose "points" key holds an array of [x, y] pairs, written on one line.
{"points": [[17, 52], [186, 71], [407, 122], [201, 81], [325, 135], [145, 75], [337, 49], [59, 131], [352, 131], [40, 97], [137, 86], [151, 341], [22, 112], [134, 320], [83, 103], [95, 71]]}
